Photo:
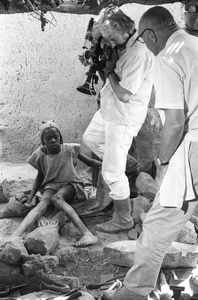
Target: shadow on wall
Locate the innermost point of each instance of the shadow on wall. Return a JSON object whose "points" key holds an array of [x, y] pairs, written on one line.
{"points": [[148, 138]]}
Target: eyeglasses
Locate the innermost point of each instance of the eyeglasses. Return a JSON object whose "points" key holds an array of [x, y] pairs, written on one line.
{"points": [[140, 39]]}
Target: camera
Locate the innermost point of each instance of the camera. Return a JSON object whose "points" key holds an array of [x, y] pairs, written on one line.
{"points": [[94, 56]]}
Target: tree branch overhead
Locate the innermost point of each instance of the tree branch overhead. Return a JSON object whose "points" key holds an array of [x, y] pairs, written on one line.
{"points": [[71, 6]]}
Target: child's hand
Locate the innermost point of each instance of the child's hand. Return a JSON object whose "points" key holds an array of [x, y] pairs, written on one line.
{"points": [[32, 202], [29, 200]]}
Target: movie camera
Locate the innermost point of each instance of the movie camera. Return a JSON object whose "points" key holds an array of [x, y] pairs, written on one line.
{"points": [[95, 57]]}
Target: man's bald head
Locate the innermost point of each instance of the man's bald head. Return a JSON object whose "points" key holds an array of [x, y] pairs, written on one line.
{"points": [[157, 17], [155, 27]]}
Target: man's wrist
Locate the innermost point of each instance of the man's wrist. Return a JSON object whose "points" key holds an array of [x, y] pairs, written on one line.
{"points": [[162, 163], [108, 73]]}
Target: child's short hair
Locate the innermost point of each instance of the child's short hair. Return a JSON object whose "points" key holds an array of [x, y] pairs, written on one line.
{"points": [[47, 125]]}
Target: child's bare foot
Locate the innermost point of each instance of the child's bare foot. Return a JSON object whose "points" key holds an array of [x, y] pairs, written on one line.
{"points": [[87, 239]]}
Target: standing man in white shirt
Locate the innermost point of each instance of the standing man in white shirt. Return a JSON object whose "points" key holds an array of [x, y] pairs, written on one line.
{"points": [[124, 102], [175, 80]]}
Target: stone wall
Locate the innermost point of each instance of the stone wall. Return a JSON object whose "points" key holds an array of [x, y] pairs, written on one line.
{"points": [[39, 73]]}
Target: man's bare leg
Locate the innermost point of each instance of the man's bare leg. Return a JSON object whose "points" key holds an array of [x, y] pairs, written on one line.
{"points": [[67, 192], [35, 213]]}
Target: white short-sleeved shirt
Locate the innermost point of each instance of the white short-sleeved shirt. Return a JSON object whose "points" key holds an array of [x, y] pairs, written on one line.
{"points": [[176, 78], [134, 69]]}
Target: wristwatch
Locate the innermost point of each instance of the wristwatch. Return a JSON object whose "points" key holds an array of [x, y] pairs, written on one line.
{"points": [[160, 163]]}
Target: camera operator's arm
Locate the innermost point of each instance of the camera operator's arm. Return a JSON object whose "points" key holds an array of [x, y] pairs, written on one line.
{"points": [[122, 94]]}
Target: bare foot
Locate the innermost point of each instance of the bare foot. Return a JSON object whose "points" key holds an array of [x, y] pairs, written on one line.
{"points": [[88, 239]]}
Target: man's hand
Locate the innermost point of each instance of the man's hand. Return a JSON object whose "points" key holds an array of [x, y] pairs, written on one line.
{"points": [[155, 119], [111, 65], [161, 171]]}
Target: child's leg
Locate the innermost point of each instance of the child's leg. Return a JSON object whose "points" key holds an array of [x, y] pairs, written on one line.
{"points": [[95, 171], [60, 199], [95, 175], [35, 213]]}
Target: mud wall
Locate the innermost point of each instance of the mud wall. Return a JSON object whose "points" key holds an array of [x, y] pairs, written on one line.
{"points": [[39, 73]]}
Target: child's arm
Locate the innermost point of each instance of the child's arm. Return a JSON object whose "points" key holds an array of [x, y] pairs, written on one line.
{"points": [[94, 163], [36, 185]]}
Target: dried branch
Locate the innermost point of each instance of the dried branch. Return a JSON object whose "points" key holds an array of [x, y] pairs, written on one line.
{"points": [[72, 6], [94, 6]]}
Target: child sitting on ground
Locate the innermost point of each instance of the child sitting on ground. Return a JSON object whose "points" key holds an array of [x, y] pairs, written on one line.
{"points": [[58, 180]]}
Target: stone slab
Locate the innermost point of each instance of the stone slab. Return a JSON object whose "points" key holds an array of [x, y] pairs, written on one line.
{"points": [[178, 254]]}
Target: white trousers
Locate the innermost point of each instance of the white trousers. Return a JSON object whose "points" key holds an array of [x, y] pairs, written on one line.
{"points": [[111, 141], [160, 229]]}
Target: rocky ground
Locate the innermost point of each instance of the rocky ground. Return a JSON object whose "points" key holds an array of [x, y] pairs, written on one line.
{"points": [[92, 267], [89, 264]]}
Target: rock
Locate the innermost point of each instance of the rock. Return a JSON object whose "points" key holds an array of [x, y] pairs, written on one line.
{"points": [[14, 209], [41, 281], [120, 253], [71, 281], [139, 205], [10, 275], [13, 250], [146, 185], [67, 255], [187, 235], [138, 227], [45, 294], [178, 254], [185, 296], [143, 217], [38, 270], [132, 234], [3, 198], [34, 263], [42, 240], [181, 255]]}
